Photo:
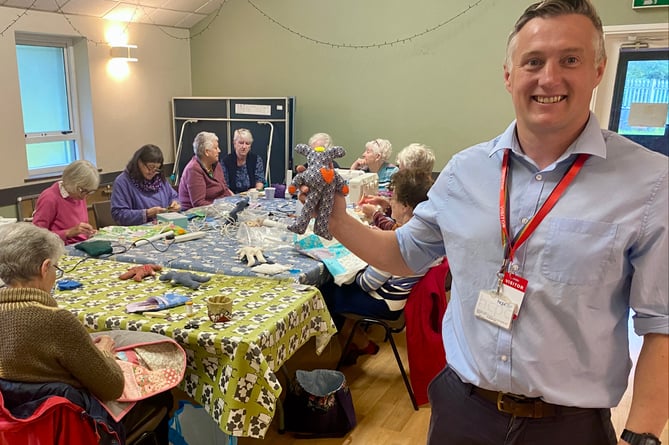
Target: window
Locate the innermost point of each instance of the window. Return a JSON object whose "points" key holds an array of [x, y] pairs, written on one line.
{"points": [[639, 110], [49, 102]]}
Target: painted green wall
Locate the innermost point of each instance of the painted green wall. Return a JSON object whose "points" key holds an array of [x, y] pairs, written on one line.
{"points": [[443, 89]]}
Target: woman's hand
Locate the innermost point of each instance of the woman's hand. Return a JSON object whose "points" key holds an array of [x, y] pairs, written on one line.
{"points": [[80, 229], [174, 206], [359, 164], [105, 344], [153, 211], [369, 210], [375, 200]]}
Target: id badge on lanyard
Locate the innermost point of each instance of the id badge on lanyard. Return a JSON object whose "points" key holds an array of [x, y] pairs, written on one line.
{"points": [[501, 306]]}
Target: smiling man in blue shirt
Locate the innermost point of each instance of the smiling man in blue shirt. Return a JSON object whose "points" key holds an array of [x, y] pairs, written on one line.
{"points": [[554, 230]]}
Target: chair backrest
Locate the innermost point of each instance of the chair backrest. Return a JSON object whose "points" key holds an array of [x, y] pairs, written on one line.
{"points": [[56, 421], [25, 206], [103, 216], [424, 311]]}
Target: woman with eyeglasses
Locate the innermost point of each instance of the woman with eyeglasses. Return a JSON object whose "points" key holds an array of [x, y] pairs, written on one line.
{"points": [[202, 180], [375, 160], [243, 170], [62, 207], [45, 350], [142, 191]]}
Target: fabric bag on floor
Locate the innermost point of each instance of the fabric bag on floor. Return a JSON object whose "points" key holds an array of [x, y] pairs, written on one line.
{"points": [[319, 404]]}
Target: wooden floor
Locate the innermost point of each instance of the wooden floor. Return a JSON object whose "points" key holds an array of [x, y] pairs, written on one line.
{"points": [[383, 408]]}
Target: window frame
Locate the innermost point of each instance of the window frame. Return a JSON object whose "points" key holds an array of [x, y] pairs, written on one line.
{"points": [[625, 57], [74, 134]]}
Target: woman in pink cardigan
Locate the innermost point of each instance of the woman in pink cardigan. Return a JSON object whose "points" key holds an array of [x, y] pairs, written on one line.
{"points": [[202, 180], [62, 207]]}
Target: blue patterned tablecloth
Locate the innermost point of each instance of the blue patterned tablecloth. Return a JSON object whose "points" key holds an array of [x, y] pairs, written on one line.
{"points": [[217, 251]]}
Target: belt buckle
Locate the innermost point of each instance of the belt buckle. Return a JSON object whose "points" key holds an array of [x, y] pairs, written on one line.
{"points": [[502, 403], [515, 406]]}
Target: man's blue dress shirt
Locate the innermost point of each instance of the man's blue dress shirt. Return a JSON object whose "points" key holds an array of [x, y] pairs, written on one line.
{"points": [[602, 249]]}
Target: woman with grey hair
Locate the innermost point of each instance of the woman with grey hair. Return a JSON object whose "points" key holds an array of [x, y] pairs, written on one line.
{"points": [[61, 350], [243, 170], [416, 157], [202, 180], [62, 208], [375, 160], [45, 350]]}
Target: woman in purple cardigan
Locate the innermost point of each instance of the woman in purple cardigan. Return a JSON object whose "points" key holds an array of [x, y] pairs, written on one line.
{"points": [[202, 180], [141, 191]]}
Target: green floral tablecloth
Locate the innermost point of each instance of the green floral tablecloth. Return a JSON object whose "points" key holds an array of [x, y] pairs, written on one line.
{"points": [[231, 366]]}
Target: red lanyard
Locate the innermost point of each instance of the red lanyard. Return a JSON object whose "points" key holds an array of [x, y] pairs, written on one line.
{"points": [[510, 246]]}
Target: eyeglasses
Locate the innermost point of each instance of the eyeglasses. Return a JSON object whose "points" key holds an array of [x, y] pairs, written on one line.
{"points": [[84, 191], [59, 272], [152, 167]]}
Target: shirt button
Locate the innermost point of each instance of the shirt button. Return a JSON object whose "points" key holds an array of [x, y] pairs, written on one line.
{"points": [[524, 220], [538, 177], [504, 358], [515, 267]]}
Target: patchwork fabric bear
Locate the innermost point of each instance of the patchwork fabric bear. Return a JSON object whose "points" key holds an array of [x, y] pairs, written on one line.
{"points": [[323, 182]]}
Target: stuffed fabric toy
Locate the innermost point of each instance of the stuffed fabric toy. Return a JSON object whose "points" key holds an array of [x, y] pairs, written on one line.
{"points": [[323, 182], [184, 278], [138, 273]]}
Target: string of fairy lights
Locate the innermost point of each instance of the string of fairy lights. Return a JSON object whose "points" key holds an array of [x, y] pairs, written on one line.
{"points": [[396, 41], [214, 16]]}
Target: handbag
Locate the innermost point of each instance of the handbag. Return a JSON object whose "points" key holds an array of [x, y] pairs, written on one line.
{"points": [[319, 404]]}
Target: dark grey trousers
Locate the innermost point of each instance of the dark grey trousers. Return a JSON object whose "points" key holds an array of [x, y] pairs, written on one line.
{"points": [[461, 417]]}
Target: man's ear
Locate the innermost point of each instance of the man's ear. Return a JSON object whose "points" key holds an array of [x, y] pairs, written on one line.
{"points": [[507, 75]]}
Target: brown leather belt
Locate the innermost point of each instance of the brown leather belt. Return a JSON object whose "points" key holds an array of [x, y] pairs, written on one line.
{"points": [[520, 406]]}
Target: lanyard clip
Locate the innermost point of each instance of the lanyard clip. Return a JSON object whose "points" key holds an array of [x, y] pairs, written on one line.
{"points": [[500, 275]]}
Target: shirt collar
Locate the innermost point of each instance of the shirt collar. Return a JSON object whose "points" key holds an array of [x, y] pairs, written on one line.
{"points": [[63, 192], [590, 141]]}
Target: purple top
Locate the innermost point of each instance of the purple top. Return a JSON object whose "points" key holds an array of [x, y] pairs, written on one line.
{"points": [[199, 188], [129, 203]]}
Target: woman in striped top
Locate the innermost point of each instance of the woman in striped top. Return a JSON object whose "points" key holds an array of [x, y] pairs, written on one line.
{"points": [[375, 292]]}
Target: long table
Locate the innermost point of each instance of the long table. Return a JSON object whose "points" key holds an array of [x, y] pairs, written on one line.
{"points": [[216, 252], [231, 366]]}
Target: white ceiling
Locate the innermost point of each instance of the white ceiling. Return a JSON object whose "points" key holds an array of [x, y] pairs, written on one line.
{"points": [[174, 13]]}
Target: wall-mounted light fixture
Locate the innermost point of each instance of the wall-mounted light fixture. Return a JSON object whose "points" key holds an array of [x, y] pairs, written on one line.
{"points": [[123, 52]]}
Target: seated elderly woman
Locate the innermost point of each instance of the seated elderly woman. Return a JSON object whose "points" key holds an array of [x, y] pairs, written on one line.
{"points": [[141, 191], [375, 160], [243, 170], [202, 180], [42, 343], [62, 207], [414, 156]]}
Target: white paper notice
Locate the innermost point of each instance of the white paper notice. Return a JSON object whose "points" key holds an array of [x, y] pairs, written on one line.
{"points": [[261, 110], [647, 115]]}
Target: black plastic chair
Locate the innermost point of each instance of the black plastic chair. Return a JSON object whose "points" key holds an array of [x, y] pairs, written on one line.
{"points": [[391, 327]]}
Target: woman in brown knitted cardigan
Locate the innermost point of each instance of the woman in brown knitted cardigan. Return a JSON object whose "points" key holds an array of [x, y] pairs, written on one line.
{"points": [[40, 341]]}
